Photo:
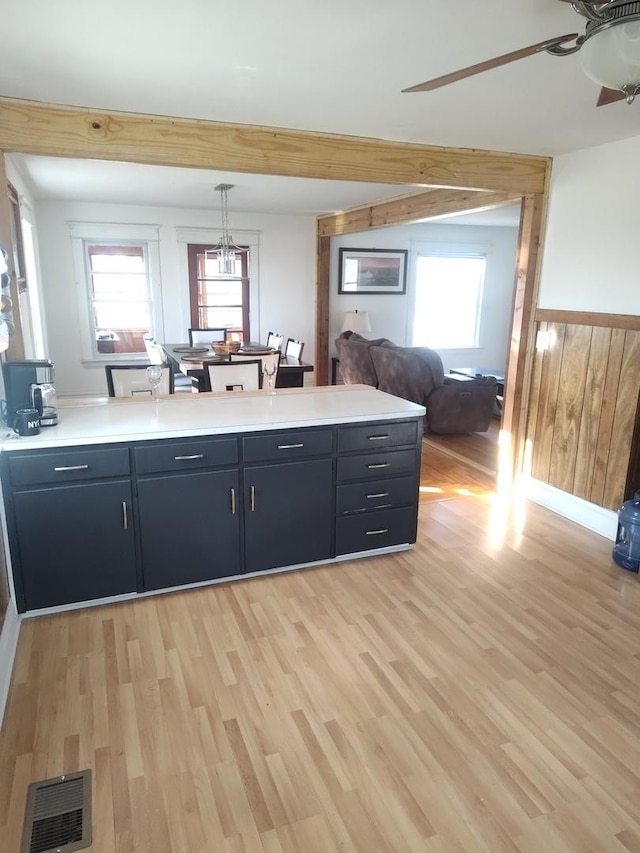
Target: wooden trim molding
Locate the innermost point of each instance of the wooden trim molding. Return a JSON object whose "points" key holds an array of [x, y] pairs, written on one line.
{"points": [[322, 310], [64, 131], [522, 336], [587, 318], [434, 204]]}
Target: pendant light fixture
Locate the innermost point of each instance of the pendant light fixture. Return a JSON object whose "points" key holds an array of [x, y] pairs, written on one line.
{"points": [[225, 250]]}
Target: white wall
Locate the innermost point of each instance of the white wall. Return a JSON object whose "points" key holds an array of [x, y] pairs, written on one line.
{"points": [[391, 315], [591, 256], [284, 264]]}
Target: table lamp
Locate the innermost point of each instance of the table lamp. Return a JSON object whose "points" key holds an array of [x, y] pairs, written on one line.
{"points": [[356, 321]]}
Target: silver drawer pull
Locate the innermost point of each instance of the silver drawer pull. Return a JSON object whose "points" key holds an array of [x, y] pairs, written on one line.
{"points": [[189, 458], [377, 532], [377, 437], [125, 518], [380, 465], [72, 468], [289, 446], [252, 498], [233, 501], [379, 495]]}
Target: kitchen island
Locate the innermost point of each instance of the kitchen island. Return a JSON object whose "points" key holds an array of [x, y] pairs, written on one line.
{"points": [[130, 497]]}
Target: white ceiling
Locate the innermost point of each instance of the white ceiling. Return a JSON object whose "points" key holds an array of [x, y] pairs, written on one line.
{"points": [[334, 67]]}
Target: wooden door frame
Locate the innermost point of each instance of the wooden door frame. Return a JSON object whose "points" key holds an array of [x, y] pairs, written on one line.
{"points": [[442, 182], [436, 205]]}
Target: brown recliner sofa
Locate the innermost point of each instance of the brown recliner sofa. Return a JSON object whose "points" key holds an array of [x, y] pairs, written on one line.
{"points": [[454, 407]]}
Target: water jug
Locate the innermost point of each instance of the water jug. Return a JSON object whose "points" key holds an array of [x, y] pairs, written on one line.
{"points": [[626, 551]]}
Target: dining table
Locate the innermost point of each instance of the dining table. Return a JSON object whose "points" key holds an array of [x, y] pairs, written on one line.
{"points": [[193, 361]]}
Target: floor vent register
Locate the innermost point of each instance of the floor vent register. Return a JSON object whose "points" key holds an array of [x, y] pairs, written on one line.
{"points": [[58, 814]]}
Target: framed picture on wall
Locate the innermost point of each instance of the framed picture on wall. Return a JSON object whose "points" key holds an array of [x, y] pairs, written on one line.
{"points": [[372, 271]]}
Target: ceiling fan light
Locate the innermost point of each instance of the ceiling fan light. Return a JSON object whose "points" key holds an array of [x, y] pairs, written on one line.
{"points": [[610, 56]]}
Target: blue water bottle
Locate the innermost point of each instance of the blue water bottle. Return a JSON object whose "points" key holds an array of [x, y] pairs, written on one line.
{"points": [[626, 551]]}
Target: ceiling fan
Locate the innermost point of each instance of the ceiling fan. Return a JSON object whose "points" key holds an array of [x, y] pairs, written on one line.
{"points": [[610, 50]]}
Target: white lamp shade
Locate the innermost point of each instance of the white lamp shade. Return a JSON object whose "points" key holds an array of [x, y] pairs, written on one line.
{"points": [[611, 56], [356, 321]]}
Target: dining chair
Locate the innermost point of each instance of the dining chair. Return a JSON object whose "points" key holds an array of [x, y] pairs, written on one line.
{"points": [[294, 348], [235, 376], [273, 357], [130, 380], [156, 355], [206, 336], [275, 340]]}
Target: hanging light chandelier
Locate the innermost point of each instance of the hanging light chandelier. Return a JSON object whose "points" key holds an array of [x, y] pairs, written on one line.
{"points": [[225, 250]]}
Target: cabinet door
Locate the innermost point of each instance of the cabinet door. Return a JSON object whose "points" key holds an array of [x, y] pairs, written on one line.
{"points": [[189, 528], [288, 514], [75, 542]]}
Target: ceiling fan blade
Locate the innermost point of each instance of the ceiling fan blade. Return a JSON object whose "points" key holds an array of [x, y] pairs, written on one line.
{"points": [[496, 62], [609, 96]]}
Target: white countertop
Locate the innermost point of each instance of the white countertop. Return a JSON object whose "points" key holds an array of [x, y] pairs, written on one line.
{"points": [[183, 415]]}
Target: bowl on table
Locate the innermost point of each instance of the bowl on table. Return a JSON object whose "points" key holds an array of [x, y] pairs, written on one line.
{"points": [[220, 348]]}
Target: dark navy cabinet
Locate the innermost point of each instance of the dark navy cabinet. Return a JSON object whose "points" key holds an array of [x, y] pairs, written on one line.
{"points": [[91, 522], [377, 483], [188, 514], [71, 527]]}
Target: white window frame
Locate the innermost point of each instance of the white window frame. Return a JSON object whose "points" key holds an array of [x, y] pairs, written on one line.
{"points": [[449, 250], [84, 234]]}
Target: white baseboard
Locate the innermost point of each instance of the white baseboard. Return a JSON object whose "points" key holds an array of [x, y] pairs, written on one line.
{"points": [[8, 646], [596, 518]]}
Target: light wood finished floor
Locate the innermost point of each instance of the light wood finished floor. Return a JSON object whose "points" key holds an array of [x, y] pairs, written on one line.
{"points": [[478, 450], [480, 692]]}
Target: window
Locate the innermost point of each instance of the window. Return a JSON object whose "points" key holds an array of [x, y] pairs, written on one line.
{"points": [[218, 301], [119, 295], [448, 300]]}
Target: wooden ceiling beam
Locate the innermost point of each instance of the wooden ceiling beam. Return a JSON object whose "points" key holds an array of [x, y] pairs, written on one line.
{"points": [[434, 204], [47, 129]]}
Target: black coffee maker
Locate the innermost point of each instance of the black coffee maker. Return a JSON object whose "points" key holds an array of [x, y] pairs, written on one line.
{"points": [[18, 378]]}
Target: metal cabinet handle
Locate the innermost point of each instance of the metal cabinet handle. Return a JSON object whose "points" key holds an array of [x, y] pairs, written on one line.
{"points": [[233, 501], [72, 468], [252, 498], [188, 458], [378, 495], [377, 437], [380, 465], [377, 532], [289, 446], [125, 517]]}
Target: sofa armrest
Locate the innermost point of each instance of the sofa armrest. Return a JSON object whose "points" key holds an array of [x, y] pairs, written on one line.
{"points": [[459, 408]]}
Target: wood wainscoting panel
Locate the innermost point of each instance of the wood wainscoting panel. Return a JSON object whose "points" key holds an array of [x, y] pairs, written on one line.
{"points": [[626, 412], [583, 409], [608, 403], [569, 407], [547, 363], [602, 357]]}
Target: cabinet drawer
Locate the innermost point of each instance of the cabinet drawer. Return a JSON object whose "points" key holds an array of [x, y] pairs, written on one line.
{"points": [[372, 466], [62, 467], [376, 530], [288, 445], [376, 436], [185, 455], [379, 494]]}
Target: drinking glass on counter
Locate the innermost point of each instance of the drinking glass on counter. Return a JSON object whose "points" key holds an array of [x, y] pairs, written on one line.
{"points": [[154, 377], [269, 369]]}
